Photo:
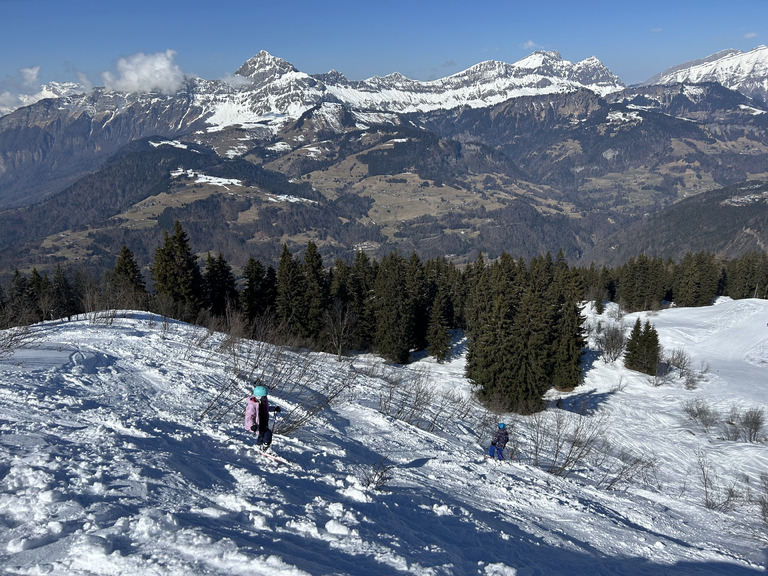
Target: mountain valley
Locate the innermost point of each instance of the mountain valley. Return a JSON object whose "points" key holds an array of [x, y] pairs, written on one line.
{"points": [[539, 155]]}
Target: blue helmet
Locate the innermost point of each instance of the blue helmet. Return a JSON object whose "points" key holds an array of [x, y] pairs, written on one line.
{"points": [[501, 426], [259, 391]]}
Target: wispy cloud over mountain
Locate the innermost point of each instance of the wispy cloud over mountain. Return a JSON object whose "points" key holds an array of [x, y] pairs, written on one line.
{"points": [[146, 72]]}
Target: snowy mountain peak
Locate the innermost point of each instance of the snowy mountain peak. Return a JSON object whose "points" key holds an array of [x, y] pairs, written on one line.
{"points": [[539, 58], [264, 66], [746, 72]]}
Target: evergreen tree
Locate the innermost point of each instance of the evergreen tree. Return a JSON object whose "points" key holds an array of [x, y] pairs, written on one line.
{"points": [[20, 310], [258, 293], [360, 290], [127, 273], [339, 281], [176, 273], [64, 297], [479, 296], [567, 334], [394, 320], [643, 349], [633, 342], [316, 294], [489, 365], [126, 281], [289, 297], [417, 302], [219, 288], [40, 295], [438, 335]]}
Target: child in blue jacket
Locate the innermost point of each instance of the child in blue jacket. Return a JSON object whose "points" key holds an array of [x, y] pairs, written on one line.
{"points": [[499, 442]]}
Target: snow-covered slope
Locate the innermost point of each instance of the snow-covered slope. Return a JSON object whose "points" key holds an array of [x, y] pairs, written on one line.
{"points": [[746, 72], [107, 467]]}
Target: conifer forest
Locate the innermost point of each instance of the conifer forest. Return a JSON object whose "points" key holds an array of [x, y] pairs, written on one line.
{"points": [[522, 320]]}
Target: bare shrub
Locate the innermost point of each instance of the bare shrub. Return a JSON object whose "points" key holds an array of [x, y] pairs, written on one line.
{"points": [[377, 475], [698, 410], [730, 427], [14, 338], [612, 342], [447, 407], [763, 498], [340, 327], [628, 467], [299, 379], [718, 495], [691, 380], [562, 440], [303, 381], [617, 313], [752, 424], [745, 425], [680, 360], [411, 396], [620, 386]]}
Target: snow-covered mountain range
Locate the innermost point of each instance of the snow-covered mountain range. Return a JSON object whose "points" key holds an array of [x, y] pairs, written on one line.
{"points": [[746, 72], [271, 90], [267, 88], [116, 458]]}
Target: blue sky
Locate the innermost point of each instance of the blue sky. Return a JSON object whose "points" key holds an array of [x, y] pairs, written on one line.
{"points": [[44, 40]]}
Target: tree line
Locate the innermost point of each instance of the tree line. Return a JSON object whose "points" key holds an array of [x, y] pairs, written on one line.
{"points": [[646, 283], [522, 320]]}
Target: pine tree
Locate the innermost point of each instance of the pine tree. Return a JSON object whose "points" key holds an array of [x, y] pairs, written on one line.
{"points": [[651, 350], [20, 310], [360, 290], [126, 282], [289, 297], [176, 273], [316, 293], [416, 302], [40, 295], [127, 273], [257, 295], [643, 349], [631, 354], [394, 321], [64, 298], [219, 288], [567, 334], [489, 366], [531, 333], [438, 335]]}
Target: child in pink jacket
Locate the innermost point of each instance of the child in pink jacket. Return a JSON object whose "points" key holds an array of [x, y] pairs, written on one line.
{"points": [[257, 416]]}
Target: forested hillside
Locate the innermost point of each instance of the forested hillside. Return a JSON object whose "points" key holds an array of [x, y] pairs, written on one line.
{"points": [[523, 319]]}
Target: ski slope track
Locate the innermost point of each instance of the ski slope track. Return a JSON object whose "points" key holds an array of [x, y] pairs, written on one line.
{"points": [[108, 467]]}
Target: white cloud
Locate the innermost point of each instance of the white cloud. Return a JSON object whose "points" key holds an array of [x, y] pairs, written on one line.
{"points": [[656, 29], [235, 80], [749, 35], [8, 102], [531, 45], [84, 81], [146, 72], [29, 75]]}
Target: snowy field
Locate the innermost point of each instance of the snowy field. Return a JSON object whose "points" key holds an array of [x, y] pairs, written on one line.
{"points": [[108, 464]]}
